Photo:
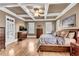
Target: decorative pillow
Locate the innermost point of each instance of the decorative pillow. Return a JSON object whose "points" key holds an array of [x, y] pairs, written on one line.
{"points": [[67, 41], [69, 38]]}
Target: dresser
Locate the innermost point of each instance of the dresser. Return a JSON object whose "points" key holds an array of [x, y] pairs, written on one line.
{"points": [[22, 35], [2, 38]]}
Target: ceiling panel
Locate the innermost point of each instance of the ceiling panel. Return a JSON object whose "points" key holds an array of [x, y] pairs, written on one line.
{"points": [[55, 8], [17, 10]]}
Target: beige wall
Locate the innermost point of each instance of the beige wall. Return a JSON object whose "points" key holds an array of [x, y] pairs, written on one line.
{"points": [[17, 24], [41, 24], [17, 21], [2, 19], [73, 11]]}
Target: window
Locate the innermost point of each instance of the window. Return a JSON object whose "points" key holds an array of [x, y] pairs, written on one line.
{"points": [[49, 27], [31, 28]]}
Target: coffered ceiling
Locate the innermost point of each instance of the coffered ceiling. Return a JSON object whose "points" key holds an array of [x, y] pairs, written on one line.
{"points": [[36, 11], [57, 8]]}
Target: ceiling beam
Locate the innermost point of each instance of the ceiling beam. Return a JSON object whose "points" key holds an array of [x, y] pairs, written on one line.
{"points": [[66, 9], [11, 13], [27, 11], [8, 5], [14, 5], [42, 20], [24, 15], [53, 14], [46, 10], [49, 14], [32, 4]]}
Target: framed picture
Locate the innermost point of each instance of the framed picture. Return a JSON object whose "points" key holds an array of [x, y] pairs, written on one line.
{"points": [[69, 21]]}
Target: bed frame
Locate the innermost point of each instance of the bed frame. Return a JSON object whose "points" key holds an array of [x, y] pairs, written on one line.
{"points": [[53, 48]]}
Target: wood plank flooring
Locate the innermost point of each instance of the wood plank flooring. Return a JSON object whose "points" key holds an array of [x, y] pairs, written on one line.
{"points": [[27, 48]]}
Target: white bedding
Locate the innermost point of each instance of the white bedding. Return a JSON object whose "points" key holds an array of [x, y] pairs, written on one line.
{"points": [[47, 39], [50, 39]]}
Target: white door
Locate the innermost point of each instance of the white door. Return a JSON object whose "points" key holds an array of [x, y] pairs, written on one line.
{"points": [[10, 30]]}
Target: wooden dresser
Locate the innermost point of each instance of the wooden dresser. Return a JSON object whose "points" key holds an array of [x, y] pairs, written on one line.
{"points": [[22, 35], [2, 38]]}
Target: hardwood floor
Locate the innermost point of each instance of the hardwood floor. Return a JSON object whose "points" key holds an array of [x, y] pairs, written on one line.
{"points": [[27, 48]]}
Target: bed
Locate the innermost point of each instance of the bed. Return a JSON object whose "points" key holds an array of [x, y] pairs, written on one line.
{"points": [[51, 47]]}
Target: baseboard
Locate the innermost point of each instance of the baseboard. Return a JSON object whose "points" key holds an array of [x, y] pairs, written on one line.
{"points": [[8, 43]]}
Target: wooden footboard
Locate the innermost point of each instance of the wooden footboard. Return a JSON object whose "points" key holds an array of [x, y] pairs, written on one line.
{"points": [[54, 48]]}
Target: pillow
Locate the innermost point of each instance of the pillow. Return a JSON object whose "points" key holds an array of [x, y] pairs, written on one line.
{"points": [[67, 41], [71, 35]]}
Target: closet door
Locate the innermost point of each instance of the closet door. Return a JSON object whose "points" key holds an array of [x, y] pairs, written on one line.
{"points": [[10, 30]]}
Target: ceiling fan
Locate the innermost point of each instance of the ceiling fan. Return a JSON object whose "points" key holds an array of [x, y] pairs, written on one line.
{"points": [[38, 11]]}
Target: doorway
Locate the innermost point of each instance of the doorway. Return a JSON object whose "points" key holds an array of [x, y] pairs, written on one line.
{"points": [[10, 30], [39, 32]]}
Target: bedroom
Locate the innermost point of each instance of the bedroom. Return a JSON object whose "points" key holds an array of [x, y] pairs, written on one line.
{"points": [[39, 29]]}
